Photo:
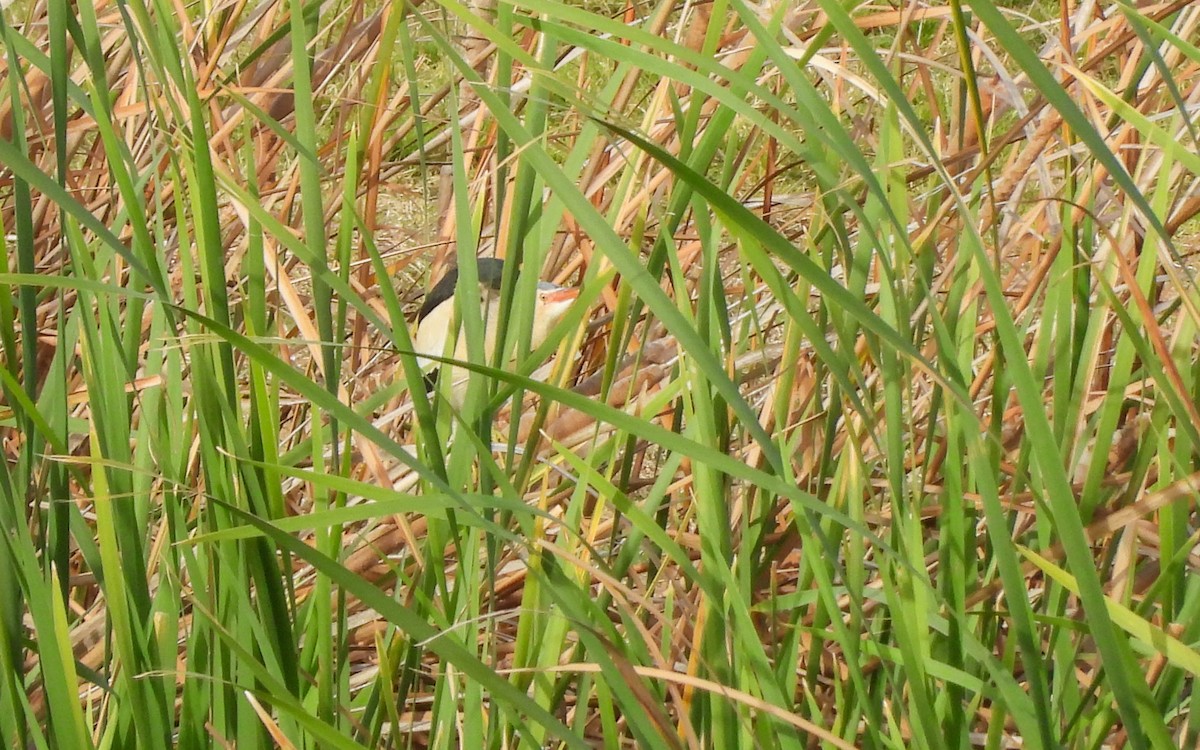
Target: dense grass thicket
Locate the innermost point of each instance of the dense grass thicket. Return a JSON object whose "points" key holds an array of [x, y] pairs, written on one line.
{"points": [[875, 424]]}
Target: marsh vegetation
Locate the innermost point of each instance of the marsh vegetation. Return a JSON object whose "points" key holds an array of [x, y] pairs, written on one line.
{"points": [[874, 424]]}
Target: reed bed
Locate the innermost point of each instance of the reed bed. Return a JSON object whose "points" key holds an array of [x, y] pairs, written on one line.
{"points": [[875, 424]]}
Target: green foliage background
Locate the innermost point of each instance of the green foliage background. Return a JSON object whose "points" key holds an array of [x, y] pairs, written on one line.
{"points": [[875, 425]]}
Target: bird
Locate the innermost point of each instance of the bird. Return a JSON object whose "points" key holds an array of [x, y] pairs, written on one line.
{"points": [[439, 323]]}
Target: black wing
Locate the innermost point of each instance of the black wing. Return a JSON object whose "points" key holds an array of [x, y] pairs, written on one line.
{"points": [[491, 271]]}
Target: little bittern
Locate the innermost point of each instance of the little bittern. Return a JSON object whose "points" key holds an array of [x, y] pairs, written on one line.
{"points": [[437, 318]]}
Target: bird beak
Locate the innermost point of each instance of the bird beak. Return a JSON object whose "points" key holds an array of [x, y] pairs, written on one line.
{"points": [[561, 295]]}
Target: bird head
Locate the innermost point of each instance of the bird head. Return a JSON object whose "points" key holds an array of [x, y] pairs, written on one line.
{"points": [[551, 305]]}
